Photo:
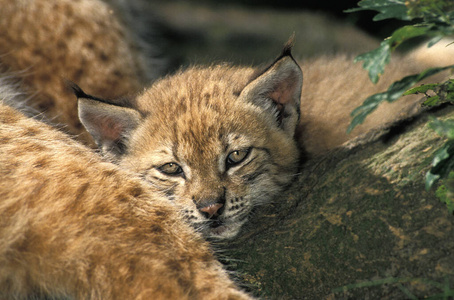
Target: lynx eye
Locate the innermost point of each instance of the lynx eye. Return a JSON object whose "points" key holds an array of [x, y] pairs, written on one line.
{"points": [[237, 156], [171, 169]]}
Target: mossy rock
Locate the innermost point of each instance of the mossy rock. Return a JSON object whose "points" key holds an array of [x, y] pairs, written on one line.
{"points": [[360, 215]]}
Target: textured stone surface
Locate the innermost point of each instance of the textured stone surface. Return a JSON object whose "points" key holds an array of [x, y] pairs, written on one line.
{"points": [[354, 216]]}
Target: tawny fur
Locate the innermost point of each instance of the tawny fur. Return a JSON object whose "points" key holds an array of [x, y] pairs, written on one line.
{"points": [[45, 43], [188, 119], [74, 226], [196, 124], [193, 119], [334, 86], [196, 118]]}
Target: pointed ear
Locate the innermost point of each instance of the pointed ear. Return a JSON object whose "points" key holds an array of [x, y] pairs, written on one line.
{"points": [[278, 90], [109, 124]]}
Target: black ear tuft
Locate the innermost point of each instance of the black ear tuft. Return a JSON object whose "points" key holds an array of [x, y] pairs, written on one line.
{"points": [[287, 50], [79, 93], [75, 89], [109, 123], [278, 90]]}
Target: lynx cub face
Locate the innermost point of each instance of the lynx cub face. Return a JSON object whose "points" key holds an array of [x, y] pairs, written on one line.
{"points": [[214, 141]]}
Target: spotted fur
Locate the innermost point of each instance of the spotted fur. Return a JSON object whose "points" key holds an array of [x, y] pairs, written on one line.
{"points": [[195, 125], [192, 121], [75, 227], [179, 133], [43, 43]]}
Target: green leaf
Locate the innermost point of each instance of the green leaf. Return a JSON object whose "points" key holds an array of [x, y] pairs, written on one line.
{"points": [[443, 128], [445, 192], [431, 179], [449, 199], [387, 9], [431, 10], [407, 32], [369, 105], [434, 40], [432, 101], [444, 92], [442, 164], [421, 89], [393, 93], [376, 60]]}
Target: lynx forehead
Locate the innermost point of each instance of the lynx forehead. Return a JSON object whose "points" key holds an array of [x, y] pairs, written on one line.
{"points": [[214, 141]]}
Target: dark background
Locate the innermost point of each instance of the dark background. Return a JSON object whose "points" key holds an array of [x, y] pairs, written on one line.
{"points": [[252, 32], [363, 19]]}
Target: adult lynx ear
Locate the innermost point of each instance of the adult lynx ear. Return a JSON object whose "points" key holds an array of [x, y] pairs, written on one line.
{"points": [[278, 90], [108, 123]]}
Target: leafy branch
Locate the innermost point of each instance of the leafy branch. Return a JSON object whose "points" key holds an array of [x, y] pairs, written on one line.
{"points": [[433, 19]]}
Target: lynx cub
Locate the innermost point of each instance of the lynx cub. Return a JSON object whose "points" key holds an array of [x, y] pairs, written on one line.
{"points": [[219, 141], [73, 226], [212, 143]]}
